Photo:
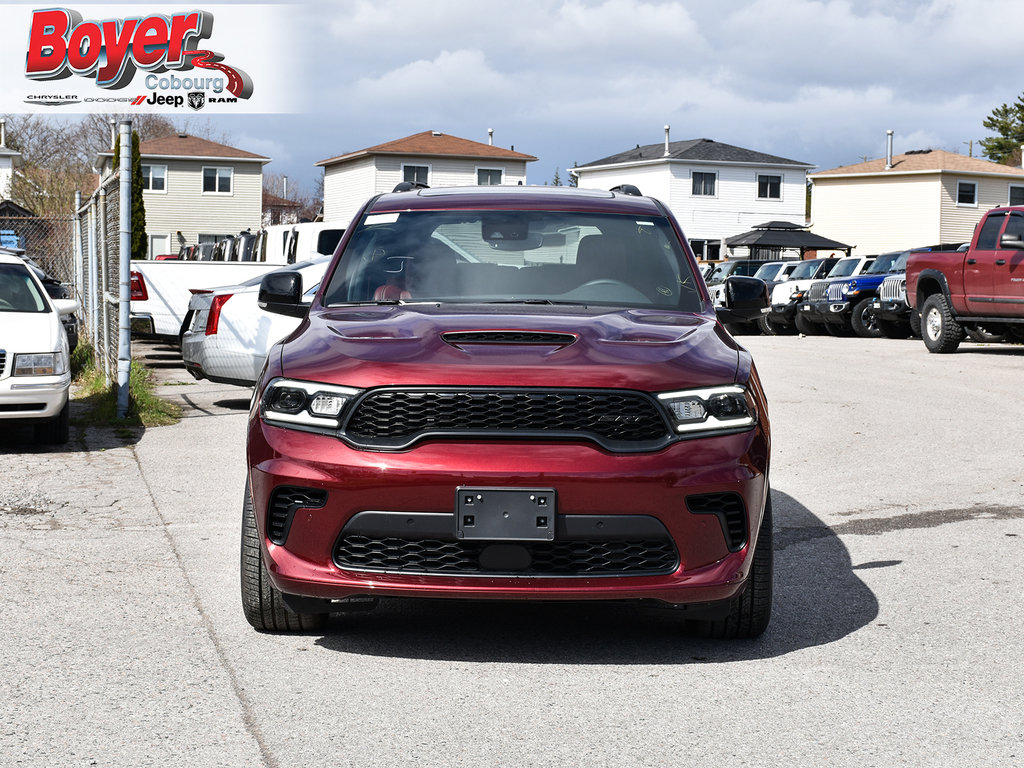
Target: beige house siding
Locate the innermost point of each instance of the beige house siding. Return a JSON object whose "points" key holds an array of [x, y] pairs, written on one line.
{"points": [[959, 221], [185, 208], [346, 187], [878, 215]]}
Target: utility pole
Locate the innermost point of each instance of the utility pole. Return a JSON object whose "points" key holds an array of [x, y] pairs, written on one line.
{"points": [[970, 147]]}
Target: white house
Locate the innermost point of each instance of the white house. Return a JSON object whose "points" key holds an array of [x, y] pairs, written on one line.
{"points": [[197, 191], [715, 190], [9, 160], [431, 157], [919, 198]]}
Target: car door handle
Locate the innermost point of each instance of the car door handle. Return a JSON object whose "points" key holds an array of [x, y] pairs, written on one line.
{"points": [[972, 261], [1000, 262]]}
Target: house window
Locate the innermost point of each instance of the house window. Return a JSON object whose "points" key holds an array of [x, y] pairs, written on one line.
{"points": [[488, 177], [418, 174], [1016, 195], [217, 181], [769, 187], [704, 183], [967, 193], [154, 178]]}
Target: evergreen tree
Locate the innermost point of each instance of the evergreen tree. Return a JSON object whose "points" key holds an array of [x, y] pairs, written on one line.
{"points": [[1008, 122], [557, 180], [140, 242]]}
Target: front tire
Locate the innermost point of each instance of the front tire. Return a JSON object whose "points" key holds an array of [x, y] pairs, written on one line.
{"points": [[57, 430], [863, 320], [751, 610], [807, 327], [940, 332], [262, 603], [893, 329]]}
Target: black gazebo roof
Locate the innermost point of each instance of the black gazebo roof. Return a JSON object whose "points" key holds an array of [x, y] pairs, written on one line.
{"points": [[785, 234]]}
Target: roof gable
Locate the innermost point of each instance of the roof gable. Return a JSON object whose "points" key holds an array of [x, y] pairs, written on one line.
{"points": [[694, 150], [433, 144]]}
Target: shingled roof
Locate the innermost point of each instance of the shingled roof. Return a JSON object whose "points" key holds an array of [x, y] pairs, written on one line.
{"points": [[923, 161], [695, 150], [185, 146], [434, 144]]}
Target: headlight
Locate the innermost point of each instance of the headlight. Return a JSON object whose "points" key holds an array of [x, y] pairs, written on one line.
{"points": [[41, 364], [714, 408], [288, 402], [796, 295]]}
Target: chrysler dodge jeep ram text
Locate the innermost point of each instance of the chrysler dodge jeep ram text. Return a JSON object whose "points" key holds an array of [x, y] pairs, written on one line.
{"points": [[510, 393]]}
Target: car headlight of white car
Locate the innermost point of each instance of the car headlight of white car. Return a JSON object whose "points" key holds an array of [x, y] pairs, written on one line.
{"points": [[40, 364]]}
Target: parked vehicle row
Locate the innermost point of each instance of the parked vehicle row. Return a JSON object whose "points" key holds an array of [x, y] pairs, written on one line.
{"points": [[161, 290]]}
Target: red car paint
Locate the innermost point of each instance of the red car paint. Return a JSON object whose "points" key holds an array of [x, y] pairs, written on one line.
{"points": [[571, 350]]}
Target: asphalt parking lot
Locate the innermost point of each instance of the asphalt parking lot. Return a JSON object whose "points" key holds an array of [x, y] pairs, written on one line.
{"points": [[898, 488]]}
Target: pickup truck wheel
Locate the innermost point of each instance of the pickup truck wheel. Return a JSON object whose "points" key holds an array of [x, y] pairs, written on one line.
{"points": [[893, 329], [863, 320], [915, 323], [807, 327], [751, 610], [262, 603], [940, 332]]}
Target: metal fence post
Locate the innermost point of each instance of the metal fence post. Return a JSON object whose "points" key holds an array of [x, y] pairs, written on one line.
{"points": [[93, 291], [124, 347], [76, 234], [104, 268]]}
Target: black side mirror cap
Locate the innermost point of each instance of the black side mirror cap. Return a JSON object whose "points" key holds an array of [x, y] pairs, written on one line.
{"points": [[746, 298], [282, 294]]}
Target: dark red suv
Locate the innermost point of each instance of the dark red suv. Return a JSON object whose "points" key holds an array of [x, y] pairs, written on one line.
{"points": [[510, 393]]}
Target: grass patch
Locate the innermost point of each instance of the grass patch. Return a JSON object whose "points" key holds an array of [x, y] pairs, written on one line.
{"points": [[144, 408]]}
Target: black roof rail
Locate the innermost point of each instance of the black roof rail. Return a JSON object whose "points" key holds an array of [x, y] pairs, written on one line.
{"points": [[407, 186], [627, 189]]}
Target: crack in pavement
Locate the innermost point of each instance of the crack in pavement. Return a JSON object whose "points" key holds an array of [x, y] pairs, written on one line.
{"points": [[875, 526]]}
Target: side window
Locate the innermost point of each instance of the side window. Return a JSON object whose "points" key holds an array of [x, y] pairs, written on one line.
{"points": [[1016, 195], [416, 173], [769, 187], [1015, 226], [967, 193], [990, 232]]}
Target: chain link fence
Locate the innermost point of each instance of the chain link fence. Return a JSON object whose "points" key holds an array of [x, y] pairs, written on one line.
{"points": [[47, 241]]}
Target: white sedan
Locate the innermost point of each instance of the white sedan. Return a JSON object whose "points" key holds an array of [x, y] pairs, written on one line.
{"points": [[35, 370], [229, 336]]}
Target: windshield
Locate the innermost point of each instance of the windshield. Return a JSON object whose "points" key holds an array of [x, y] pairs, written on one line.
{"points": [[768, 272], [805, 269], [844, 268], [496, 256], [888, 262], [18, 291]]}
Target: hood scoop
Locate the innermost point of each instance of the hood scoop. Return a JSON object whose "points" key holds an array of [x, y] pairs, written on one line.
{"points": [[509, 337]]}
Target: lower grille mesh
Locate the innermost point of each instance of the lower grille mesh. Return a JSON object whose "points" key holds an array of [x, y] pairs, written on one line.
{"points": [[558, 558], [731, 513]]}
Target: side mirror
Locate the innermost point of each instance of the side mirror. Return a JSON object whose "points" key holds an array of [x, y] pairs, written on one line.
{"points": [[746, 298], [65, 306], [1015, 242], [282, 294]]}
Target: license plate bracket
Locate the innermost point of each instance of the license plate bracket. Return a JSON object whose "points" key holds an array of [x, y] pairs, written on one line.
{"points": [[505, 514]]}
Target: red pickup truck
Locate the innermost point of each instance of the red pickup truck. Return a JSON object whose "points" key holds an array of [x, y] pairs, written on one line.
{"points": [[980, 289]]}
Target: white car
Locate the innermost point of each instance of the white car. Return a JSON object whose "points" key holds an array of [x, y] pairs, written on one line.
{"points": [[35, 369], [229, 336]]}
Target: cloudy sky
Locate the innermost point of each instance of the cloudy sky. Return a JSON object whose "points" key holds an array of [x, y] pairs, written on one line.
{"points": [[572, 81]]}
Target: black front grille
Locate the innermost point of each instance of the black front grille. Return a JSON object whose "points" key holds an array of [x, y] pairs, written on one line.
{"points": [[617, 419], [508, 337], [557, 558], [731, 513], [3, 361], [283, 503]]}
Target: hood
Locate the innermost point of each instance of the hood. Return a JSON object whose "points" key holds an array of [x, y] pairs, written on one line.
{"points": [[29, 331], [486, 345]]}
